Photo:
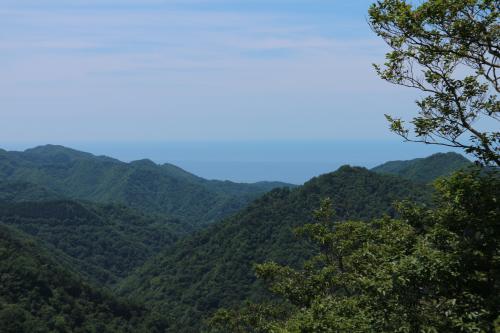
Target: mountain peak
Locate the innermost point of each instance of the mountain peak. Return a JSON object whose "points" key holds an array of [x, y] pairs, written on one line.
{"points": [[51, 150], [143, 184], [144, 162], [61, 154], [425, 169]]}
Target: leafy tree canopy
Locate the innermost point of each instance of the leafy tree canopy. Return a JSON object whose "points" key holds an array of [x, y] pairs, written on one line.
{"points": [[449, 50], [38, 294], [213, 268], [432, 270], [106, 241]]}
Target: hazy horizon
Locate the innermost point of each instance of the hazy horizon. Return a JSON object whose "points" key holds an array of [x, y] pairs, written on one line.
{"points": [[240, 90], [251, 161]]}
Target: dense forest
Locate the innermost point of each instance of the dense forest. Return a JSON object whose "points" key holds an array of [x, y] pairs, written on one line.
{"points": [[176, 276], [107, 241], [92, 244], [433, 270], [425, 170], [38, 294], [429, 268], [214, 267], [142, 185], [22, 191]]}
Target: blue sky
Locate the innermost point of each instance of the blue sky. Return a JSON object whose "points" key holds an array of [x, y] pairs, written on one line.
{"points": [[242, 90], [196, 70]]}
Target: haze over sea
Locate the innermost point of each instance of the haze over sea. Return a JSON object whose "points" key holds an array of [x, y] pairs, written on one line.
{"points": [[251, 161], [239, 90]]}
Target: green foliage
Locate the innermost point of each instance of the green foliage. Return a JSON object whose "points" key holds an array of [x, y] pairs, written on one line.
{"points": [[256, 318], [431, 270], [39, 295], [106, 241], [425, 170], [142, 185], [214, 268], [21, 191], [449, 50], [186, 277]]}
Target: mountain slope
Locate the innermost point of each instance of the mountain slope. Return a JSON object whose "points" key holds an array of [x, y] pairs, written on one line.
{"points": [[39, 295], [427, 169], [142, 184], [22, 191], [213, 268], [106, 242]]}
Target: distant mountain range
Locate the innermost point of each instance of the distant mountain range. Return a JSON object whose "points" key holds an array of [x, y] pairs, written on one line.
{"points": [[176, 245], [425, 170], [143, 185]]}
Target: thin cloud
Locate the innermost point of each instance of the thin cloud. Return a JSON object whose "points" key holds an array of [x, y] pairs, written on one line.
{"points": [[170, 65]]}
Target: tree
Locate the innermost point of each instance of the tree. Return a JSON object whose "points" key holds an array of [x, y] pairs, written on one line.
{"points": [[431, 270], [449, 50]]}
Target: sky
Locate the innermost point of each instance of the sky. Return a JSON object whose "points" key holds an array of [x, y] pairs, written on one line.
{"points": [[152, 70], [105, 73]]}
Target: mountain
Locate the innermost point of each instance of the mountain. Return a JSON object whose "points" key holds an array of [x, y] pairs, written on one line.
{"points": [[38, 294], [22, 191], [142, 185], [105, 241], [213, 268], [134, 228], [425, 170]]}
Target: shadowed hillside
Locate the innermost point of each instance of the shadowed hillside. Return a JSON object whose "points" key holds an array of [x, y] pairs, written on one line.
{"points": [[142, 184], [106, 242], [213, 268], [37, 294]]}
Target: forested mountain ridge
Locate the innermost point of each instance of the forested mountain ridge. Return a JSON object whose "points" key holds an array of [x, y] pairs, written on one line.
{"points": [[425, 169], [213, 268], [180, 276], [37, 294], [22, 191], [142, 184], [105, 241]]}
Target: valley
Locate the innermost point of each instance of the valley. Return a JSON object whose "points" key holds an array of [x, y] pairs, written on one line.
{"points": [[165, 247]]}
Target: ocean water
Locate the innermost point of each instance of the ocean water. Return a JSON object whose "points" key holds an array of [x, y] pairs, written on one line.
{"points": [[288, 161]]}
